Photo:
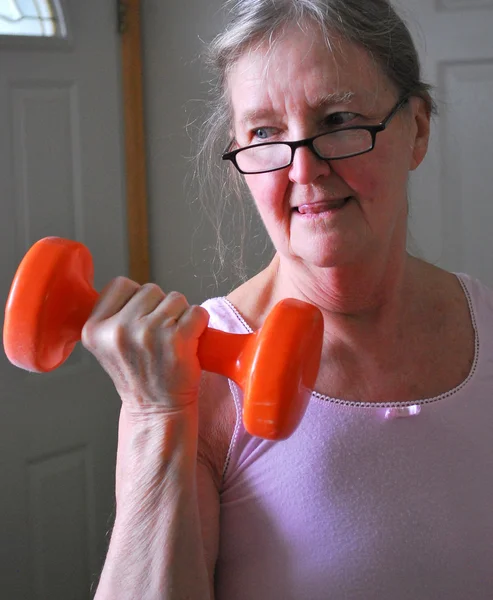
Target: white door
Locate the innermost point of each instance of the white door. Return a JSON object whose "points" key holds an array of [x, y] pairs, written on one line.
{"points": [[61, 173], [451, 194]]}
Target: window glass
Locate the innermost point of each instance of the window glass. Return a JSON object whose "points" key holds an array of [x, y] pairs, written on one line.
{"points": [[32, 18]]}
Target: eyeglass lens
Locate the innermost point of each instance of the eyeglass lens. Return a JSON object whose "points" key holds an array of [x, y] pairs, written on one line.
{"points": [[332, 145]]}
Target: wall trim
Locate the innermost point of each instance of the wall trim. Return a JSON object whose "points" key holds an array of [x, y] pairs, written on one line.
{"points": [[135, 156]]}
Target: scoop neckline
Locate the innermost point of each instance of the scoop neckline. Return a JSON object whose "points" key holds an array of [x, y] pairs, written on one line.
{"points": [[398, 404]]}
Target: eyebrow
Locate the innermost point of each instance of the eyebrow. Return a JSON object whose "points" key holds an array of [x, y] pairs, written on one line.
{"points": [[254, 114], [335, 98], [329, 99]]}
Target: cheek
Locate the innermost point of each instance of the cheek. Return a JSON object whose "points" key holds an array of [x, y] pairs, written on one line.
{"points": [[268, 192], [378, 175], [364, 178]]}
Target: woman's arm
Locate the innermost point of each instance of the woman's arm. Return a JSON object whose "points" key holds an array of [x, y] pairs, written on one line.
{"points": [[156, 548], [147, 343]]}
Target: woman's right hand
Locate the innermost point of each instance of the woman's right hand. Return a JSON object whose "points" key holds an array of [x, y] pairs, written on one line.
{"points": [[147, 342]]}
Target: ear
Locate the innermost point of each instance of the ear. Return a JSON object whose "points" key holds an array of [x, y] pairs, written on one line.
{"points": [[421, 116]]}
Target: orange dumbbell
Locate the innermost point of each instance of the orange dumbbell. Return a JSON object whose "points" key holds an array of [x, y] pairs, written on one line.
{"points": [[52, 297]]}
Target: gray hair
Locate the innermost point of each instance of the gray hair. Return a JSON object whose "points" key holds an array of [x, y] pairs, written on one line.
{"points": [[372, 24]]}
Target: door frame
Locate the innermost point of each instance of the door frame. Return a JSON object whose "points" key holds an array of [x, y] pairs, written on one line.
{"points": [[129, 24]]}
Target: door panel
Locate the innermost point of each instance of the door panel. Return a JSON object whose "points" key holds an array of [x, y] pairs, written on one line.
{"points": [[61, 173], [451, 194]]}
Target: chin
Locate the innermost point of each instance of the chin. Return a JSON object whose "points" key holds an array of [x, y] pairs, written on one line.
{"points": [[325, 260], [324, 254]]}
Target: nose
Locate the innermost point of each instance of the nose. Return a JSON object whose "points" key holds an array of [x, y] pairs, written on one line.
{"points": [[307, 166]]}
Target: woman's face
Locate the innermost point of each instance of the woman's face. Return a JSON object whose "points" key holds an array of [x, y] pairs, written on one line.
{"points": [[327, 213]]}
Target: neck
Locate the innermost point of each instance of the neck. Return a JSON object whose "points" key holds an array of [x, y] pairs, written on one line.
{"points": [[358, 292], [359, 302], [367, 311]]}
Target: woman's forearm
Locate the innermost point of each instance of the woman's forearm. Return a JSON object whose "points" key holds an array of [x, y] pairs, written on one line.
{"points": [[156, 550]]}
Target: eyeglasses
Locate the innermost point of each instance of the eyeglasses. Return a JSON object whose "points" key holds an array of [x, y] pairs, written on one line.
{"points": [[334, 145]]}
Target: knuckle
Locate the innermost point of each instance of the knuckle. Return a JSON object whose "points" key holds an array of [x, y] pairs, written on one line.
{"points": [[142, 336], [152, 288], [199, 313], [112, 337], [122, 282], [177, 297], [118, 285], [103, 336], [117, 336], [89, 333]]}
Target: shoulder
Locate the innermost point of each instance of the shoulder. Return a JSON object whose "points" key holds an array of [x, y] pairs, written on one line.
{"points": [[480, 300], [457, 293], [479, 293], [469, 307]]}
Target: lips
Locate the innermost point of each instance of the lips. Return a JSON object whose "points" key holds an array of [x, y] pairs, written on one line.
{"points": [[313, 208]]}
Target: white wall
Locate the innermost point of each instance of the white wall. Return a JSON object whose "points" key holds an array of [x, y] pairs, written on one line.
{"points": [[181, 244], [456, 45]]}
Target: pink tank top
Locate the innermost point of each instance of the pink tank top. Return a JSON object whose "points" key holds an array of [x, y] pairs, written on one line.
{"points": [[360, 503]]}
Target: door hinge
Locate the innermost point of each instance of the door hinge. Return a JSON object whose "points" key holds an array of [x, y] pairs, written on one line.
{"points": [[122, 15]]}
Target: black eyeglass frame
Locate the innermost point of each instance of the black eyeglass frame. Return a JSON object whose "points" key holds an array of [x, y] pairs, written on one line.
{"points": [[372, 129]]}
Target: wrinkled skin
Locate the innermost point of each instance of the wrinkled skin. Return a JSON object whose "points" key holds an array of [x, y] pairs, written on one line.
{"points": [[146, 341]]}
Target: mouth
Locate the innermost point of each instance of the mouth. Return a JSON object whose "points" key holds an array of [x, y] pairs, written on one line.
{"points": [[314, 208]]}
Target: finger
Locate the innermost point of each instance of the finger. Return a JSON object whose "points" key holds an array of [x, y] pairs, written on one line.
{"points": [[193, 321], [169, 311], [143, 302], [113, 298]]}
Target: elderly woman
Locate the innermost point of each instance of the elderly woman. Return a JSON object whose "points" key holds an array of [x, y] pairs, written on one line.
{"points": [[327, 116]]}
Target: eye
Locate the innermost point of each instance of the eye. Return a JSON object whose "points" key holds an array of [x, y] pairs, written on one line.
{"points": [[262, 134], [338, 119]]}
